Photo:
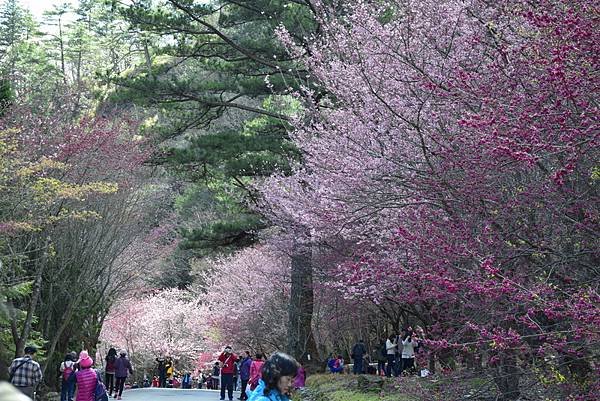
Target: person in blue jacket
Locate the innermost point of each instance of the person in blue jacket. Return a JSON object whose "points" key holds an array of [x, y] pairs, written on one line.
{"points": [[277, 380]]}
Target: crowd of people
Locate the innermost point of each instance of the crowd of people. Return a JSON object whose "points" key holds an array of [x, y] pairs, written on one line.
{"points": [[228, 374], [256, 378], [79, 380], [395, 356]]}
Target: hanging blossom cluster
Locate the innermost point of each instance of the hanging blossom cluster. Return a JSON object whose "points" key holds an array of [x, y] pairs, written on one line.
{"points": [[454, 144]]}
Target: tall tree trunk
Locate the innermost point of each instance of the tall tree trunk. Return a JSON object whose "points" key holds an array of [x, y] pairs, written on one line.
{"points": [[301, 342], [147, 56], [62, 49], [507, 377], [20, 339], [66, 320]]}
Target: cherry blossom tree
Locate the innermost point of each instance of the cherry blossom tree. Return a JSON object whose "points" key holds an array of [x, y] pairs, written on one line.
{"points": [[453, 145], [166, 323], [247, 296]]}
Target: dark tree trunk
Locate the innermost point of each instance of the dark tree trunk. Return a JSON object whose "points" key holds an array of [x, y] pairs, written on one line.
{"points": [[21, 339], [301, 342], [507, 376]]}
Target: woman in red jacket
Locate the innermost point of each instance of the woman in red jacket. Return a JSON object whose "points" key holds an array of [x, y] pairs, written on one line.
{"points": [[228, 360]]}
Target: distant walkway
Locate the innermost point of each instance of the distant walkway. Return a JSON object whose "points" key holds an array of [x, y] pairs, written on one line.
{"points": [[169, 394]]}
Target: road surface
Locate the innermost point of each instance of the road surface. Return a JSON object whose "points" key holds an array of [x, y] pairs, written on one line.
{"points": [[169, 394]]}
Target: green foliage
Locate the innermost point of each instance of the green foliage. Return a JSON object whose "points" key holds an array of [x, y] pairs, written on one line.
{"points": [[218, 82], [343, 388]]}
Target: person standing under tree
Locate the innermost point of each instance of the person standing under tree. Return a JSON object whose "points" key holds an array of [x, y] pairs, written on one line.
{"points": [[162, 372], [409, 342], [358, 353], [216, 376], [391, 346], [236, 371], [255, 371], [24, 373], [169, 369], [227, 359], [245, 374]]}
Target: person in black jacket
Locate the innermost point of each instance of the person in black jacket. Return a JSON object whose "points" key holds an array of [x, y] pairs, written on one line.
{"points": [[358, 353], [162, 372]]}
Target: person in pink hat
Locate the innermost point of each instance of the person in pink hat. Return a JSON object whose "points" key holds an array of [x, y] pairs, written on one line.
{"points": [[86, 378]]}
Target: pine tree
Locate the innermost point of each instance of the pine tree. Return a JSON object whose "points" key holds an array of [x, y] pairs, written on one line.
{"points": [[221, 62], [216, 63]]}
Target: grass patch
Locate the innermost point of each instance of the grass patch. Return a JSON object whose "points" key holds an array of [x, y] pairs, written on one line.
{"points": [[327, 387]]}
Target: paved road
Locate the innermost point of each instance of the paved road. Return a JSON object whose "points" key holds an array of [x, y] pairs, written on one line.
{"points": [[168, 394]]}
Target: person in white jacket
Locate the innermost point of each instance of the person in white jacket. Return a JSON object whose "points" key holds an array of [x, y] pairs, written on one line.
{"points": [[67, 368], [409, 342], [391, 346]]}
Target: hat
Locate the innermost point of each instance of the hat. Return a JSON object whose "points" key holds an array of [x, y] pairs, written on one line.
{"points": [[84, 360], [30, 349]]}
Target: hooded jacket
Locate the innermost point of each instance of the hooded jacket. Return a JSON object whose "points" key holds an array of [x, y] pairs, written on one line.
{"points": [[122, 367], [258, 394]]}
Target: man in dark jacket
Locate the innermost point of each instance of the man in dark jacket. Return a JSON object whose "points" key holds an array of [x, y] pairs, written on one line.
{"points": [[358, 353], [162, 372], [122, 369]]}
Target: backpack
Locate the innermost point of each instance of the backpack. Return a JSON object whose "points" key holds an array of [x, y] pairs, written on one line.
{"points": [[67, 372], [100, 391]]}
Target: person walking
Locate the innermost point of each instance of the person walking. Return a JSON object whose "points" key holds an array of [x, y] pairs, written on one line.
{"points": [[24, 373], [109, 370], [67, 388], [86, 378], [122, 368], [277, 379], [358, 353], [391, 346], [245, 374], [255, 371], [227, 359]]}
